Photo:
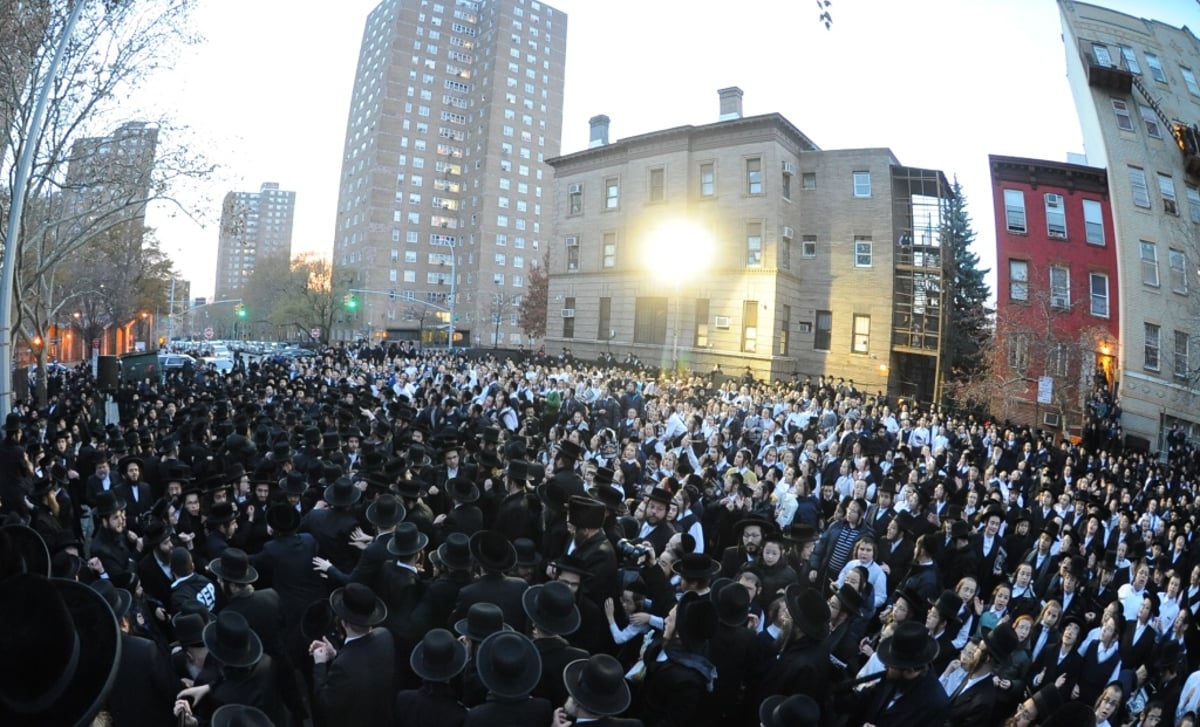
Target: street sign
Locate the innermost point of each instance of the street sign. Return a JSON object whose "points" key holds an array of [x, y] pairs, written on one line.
{"points": [[208, 332], [315, 333], [1045, 390]]}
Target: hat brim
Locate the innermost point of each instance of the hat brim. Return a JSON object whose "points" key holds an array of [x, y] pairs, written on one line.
{"points": [[766, 710], [32, 549], [250, 576], [229, 657], [604, 705], [440, 673], [452, 562], [337, 602], [509, 686], [560, 626], [375, 518], [462, 627], [239, 715], [353, 495], [927, 654]]}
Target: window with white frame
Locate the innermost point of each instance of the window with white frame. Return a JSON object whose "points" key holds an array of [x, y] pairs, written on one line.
{"points": [[1153, 336], [1148, 252], [1131, 61], [1124, 118], [861, 338], [1189, 80], [1101, 55], [862, 184], [1018, 279], [1014, 210], [708, 180], [610, 249], [1060, 287], [1098, 284], [1156, 69], [1166, 186], [1193, 198], [754, 176], [1182, 367], [1177, 269], [1137, 183], [1056, 216], [808, 246], [1093, 221], [1150, 119], [863, 251], [754, 244], [612, 193]]}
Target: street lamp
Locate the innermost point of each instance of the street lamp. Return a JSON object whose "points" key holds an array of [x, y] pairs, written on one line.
{"points": [[499, 302], [677, 249]]}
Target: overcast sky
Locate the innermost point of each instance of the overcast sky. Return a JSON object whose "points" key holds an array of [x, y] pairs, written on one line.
{"points": [[943, 83]]}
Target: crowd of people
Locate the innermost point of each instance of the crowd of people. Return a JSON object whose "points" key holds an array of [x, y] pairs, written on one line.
{"points": [[387, 536]]}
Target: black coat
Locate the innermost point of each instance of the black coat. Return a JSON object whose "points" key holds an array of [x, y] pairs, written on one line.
{"points": [[887, 704], [285, 564], [975, 706], [262, 612], [370, 563], [556, 654], [432, 704], [802, 668], [155, 582], [401, 589], [493, 712], [597, 555], [356, 687], [256, 686], [741, 659], [332, 527], [113, 551], [144, 692], [673, 695], [437, 602], [504, 591], [193, 589]]}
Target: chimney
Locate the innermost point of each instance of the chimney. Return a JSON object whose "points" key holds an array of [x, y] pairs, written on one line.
{"points": [[599, 126], [731, 103]]}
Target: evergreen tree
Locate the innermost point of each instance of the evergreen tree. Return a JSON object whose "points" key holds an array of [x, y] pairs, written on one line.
{"points": [[970, 317]]}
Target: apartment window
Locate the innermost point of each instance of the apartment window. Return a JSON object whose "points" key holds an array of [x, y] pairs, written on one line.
{"points": [[657, 185], [610, 249], [754, 244], [1060, 287], [808, 180], [575, 199], [1150, 119], [1018, 351], [1137, 182], [612, 193], [785, 185], [785, 250], [1166, 186], [785, 325], [823, 336], [1153, 335], [860, 341], [1182, 366], [1149, 255], [1124, 118], [1014, 210], [568, 318], [1177, 269], [1018, 280], [1131, 61], [1058, 359], [1056, 217], [754, 176], [708, 180], [1098, 282], [808, 246], [1156, 69], [1189, 80], [863, 252], [749, 326], [1101, 54], [1093, 221], [604, 326], [862, 184], [572, 253], [1193, 197], [700, 332], [650, 320]]}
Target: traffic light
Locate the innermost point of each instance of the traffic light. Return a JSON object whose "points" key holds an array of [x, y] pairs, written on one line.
{"points": [[240, 311], [351, 302]]}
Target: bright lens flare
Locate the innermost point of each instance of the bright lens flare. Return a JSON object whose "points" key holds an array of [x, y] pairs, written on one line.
{"points": [[677, 250]]}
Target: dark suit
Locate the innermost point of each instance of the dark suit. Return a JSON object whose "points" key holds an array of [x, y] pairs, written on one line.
{"points": [[732, 560], [504, 591], [155, 582], [741, 659], [673, 694], [894, 704], [254, 687], [143, 693], [465, 519], [437, 602], [493, 712], [803, 668], [1136, 653], [370, 563], [556, 654], [262, 612], [332, 527], [135, 506], [356, 687], [432, 704], [113, 552], [598, 557], [975, 705]]}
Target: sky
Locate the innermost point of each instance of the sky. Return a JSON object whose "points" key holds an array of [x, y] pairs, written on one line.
{"points": [[942, 83]]}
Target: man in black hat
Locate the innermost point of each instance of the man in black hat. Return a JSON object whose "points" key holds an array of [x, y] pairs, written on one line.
{"points": [[748, 533], [154, 567], [909, 694], [452, 572], [222, 524], [803, 666], [436, 660], [552, 615], [495, 556], [975, 699], [285, 563], [133, 490], [401, 586], [385, 513], [518, 513], [657, 528], [741, 658], [464, 516], [260, 607], [142, 693], [598, 692], [112, 555], [510, 668], [353, 685], [332, 525], [247, 675], [589, 544]]}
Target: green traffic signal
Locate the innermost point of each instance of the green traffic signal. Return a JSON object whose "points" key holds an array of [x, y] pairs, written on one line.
{"points": [[351, 302], [241, 311]]}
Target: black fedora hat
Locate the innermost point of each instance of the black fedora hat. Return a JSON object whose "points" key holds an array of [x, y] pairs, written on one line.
{"points": [[493, 551], [29, 545], [696, 620], [732, 601], [527, 553], [518, 469], [551, 607], [231, 641], [439, 657], [386, 512], [357, 604], [283, 518], [598, 684], [234, 567], [462, 490], [407, 540], [69, 647], [156, 533], [612, 498], [947, 604], [317, 621], [455, 551], [1002, 641], [659, 494], [482, 620], [696, 567], [795, 711], [240, 715], [909, 647], [118, 599], [293, 484], [808, 610], [584, 512], [801, 533], [509, 665], [107, 503], [221, 513], [850, 598], [412, 489], [569, 450], [342, 493], [189, 628]]}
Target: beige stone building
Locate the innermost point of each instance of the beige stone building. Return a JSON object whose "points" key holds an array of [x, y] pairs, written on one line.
{"points": [[741, 243], [1136, 90]]}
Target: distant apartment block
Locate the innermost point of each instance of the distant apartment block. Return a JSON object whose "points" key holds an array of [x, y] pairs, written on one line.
{"points": [[254, 226]]}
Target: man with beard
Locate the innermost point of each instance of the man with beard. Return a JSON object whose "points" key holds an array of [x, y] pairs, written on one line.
{"points": [[585, 520], [748, 533], [974, 701], [909, 693], [112, 555], [656, 528]]}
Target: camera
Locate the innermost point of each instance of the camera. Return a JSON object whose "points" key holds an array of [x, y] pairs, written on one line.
{"points": [[631, 550]]}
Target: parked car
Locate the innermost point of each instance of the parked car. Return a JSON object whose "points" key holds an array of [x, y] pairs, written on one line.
{"points": [[222, 365]]}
